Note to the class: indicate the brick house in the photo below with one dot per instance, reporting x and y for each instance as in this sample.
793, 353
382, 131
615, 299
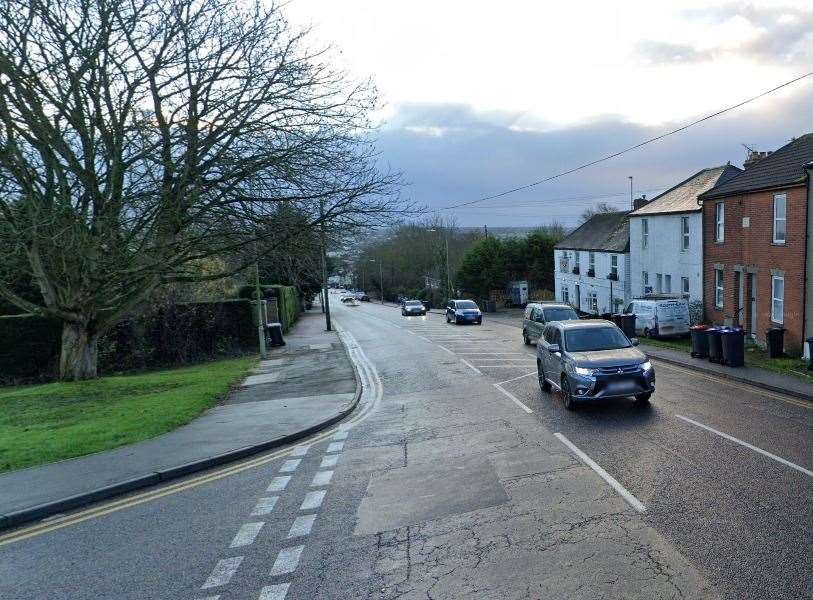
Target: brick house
754, 241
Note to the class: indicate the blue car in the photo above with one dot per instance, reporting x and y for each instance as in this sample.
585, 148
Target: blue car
463, 311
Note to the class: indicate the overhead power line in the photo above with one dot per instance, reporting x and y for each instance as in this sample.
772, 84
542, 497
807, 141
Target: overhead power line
629, 149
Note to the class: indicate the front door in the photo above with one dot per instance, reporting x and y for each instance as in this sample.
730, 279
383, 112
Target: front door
753, 305
578, 298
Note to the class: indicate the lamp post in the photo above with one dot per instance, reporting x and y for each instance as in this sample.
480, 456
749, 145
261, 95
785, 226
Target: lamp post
380, 276
258, 294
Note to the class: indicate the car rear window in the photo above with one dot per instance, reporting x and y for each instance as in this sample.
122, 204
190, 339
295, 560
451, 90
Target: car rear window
466, 304
560, 314
591, 339
413, 303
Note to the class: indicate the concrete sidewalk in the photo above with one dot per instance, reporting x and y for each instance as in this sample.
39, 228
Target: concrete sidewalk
304, 386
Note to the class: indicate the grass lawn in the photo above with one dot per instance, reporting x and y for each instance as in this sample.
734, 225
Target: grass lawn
754, 357
54, 421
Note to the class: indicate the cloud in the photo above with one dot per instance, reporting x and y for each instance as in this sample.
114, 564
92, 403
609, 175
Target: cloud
773, 35
450, 153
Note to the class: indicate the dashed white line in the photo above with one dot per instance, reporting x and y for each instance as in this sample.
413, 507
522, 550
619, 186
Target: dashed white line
322, 478
289, 466
274, 592
470, 366
278, 483
302, 526
340, 435
246, 534
209, 597
517, 378
300, 451
223, 571
264, 506
425, 338
313, 500
731, 438
513, 398
446, 349
631, 500
514, 366
287, 560
329, 461
335, 447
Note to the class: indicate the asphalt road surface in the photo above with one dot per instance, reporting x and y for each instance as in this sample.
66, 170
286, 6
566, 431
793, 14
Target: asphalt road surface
458, 478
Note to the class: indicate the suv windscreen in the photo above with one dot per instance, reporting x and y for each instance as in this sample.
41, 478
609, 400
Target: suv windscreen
466, 304
560, 314
595, 338
413, 303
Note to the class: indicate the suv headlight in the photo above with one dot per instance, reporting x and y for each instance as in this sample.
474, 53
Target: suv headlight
646, 366
583, 371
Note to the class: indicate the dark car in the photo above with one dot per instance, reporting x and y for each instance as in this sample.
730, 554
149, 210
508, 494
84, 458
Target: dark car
463, 311
590, 360
539, 314
412, 308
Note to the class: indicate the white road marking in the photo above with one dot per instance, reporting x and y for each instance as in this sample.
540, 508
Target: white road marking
340, 435
470, 366
516, 366
209, 597
289, 466
300, 451
274, 592
516, 378
322, 478
329, 461
631, 500
425, 338
287, 560
264, 506
278, 483
313, 500
513, 398
492, 353
335, 447
223, 571
515, 360
731, 438
446, 349
302, 526
412, 332
246, 534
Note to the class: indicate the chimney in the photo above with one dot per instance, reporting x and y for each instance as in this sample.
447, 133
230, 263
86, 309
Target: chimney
640, 202
754, 156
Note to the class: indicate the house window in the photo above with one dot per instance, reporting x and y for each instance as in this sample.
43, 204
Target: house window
576, 256
718, 288
614, 265
592, 302
658, 282
719, 222
644, 281
684, 233
565, 295
591, 261
684, 285
644, 233
779, 220
564, 262
667, 284
777, 299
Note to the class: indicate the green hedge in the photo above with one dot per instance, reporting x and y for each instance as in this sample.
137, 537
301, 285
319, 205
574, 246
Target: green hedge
287, 301
168, 335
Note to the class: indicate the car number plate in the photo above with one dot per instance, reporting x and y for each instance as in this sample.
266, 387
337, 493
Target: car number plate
620, 386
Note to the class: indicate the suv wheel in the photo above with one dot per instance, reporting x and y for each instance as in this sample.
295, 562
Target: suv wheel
447, 318
567, 397
643, 399
525, 338
540, 372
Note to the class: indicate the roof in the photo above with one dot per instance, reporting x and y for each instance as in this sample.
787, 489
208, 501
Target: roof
683, 197
607, 232
783, 168
585, 323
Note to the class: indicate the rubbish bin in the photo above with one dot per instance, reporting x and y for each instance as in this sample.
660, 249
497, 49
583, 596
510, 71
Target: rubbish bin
715, 344
700, 341
810, 352
490, 306
275, 334
776, 342
626, 322
426, 304
733, 343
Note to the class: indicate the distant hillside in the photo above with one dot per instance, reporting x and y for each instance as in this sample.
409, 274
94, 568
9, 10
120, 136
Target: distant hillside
506, 232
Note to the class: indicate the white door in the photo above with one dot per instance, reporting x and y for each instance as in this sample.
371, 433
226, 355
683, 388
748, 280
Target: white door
753, 304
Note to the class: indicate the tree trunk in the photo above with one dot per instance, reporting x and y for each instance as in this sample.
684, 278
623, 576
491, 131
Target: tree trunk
80, 352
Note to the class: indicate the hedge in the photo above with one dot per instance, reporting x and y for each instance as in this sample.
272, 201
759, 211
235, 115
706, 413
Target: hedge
168, 335
287, 301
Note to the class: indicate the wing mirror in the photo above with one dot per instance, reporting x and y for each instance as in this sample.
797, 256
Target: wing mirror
554, 348
540, 319
634, 341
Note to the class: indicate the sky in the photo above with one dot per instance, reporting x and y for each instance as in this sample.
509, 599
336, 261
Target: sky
479, 97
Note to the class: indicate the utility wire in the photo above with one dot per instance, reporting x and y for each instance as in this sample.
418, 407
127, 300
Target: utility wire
625, 150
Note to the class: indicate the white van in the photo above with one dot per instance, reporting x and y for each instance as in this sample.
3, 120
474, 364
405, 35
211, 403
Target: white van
660, 316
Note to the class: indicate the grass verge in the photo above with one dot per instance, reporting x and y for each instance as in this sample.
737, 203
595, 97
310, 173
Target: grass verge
45, 423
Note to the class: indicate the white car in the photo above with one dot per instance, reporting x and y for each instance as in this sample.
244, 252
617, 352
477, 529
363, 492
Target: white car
660, 316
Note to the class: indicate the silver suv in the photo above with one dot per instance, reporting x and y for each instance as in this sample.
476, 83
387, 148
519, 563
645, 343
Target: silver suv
589, 360
539, 314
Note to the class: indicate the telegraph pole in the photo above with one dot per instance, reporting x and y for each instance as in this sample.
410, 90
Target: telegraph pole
632, 202
326, 303
260, 320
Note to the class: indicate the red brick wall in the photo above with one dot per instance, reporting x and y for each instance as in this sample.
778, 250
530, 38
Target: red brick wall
753, 247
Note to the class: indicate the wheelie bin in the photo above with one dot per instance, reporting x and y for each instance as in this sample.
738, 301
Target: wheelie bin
626, 321
715, 344
700, 341
274, 331
775, 336
733, 345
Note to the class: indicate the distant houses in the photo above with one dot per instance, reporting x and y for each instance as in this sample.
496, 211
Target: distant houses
738, 243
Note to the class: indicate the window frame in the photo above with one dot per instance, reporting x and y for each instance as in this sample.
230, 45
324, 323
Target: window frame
565, 294
719, 222
685, 286
644, 281
591, 261
719, 288
775, 299
685, 241
667, 283
614, 265
644, 233
784, 219
659, 283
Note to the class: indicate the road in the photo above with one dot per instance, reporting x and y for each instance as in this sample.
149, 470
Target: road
457, 477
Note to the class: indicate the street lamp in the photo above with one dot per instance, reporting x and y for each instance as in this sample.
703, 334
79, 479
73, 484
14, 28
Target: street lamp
380, 276
448, 276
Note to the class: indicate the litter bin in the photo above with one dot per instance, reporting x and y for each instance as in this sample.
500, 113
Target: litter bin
700, 341
490, 306
776, 342
274, 331
733, 343
426, 304
626, 322
810, 352
715, 344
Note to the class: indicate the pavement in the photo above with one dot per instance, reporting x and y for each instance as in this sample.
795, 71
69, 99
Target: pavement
457, 477
306, 385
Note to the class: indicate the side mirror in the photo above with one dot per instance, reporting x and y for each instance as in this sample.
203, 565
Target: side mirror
554, 348
540, 319
634, 341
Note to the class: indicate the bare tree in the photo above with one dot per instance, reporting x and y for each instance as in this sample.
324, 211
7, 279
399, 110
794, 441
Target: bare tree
597, 209
141, 137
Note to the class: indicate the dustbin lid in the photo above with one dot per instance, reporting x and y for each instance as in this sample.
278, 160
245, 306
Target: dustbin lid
770, 329
699, 327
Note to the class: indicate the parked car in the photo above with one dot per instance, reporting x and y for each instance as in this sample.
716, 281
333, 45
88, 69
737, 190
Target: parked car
590, 360
412, 308
463, 311
660, 316
362, 296
538, 314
